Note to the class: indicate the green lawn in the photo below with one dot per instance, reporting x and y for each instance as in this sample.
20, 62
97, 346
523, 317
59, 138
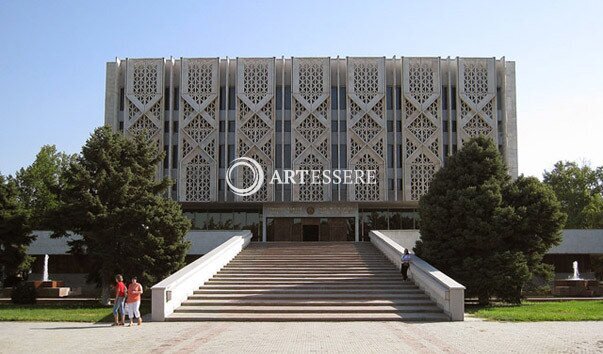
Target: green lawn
542, 311
61, 312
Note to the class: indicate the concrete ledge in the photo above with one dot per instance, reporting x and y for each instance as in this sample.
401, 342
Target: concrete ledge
169, 293
447, 293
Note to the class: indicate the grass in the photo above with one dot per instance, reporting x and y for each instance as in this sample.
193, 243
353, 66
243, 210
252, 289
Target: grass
61, 312
542, 311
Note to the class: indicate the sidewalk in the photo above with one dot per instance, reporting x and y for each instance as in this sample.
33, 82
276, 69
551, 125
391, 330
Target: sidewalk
471, 336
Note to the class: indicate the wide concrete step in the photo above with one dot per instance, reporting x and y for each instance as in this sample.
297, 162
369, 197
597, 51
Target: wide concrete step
308, 309
253, 286
308, 271
309, 291
308, 317
307, 302
298, 282
315, 295
304, 276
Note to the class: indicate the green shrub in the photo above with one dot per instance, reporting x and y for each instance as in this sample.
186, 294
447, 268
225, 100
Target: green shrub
24, 293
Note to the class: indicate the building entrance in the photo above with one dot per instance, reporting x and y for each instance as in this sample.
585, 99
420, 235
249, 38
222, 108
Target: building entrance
309, 229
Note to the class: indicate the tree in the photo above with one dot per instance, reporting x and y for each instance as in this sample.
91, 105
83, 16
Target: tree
15, 233
483, 229
39, 183
111, 197
579, 189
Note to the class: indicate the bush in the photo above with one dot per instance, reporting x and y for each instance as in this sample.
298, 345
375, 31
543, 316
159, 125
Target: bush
24, 294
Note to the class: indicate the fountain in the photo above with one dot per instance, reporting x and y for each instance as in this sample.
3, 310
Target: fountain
574, 285
47, 287
45, 274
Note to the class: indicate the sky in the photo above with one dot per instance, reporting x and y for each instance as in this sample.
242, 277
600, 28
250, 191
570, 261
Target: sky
52, 66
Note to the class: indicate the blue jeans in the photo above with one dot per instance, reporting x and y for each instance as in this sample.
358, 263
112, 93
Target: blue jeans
118, 306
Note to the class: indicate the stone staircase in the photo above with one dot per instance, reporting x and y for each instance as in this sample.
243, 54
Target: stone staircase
308, 282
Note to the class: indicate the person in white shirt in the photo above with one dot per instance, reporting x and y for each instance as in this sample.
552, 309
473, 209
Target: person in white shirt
405, 265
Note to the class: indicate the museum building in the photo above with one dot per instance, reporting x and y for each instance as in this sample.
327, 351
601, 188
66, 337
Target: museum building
401, 117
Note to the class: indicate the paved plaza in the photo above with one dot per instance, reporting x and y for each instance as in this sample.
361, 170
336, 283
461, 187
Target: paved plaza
471, 336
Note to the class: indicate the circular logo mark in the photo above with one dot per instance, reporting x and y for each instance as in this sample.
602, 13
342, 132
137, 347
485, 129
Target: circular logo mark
257, 174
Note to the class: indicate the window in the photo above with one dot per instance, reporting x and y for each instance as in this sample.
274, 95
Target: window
175, 156
454, 126
390, 156
389, 97
333, 125
278, 126
343, 161
453, 98
390, 126
288, 97
231, 126
342, 102
221, 156
121, 126
175, 126
279, 97
176, 99
499, 98
231, 153
445, 123
166, 99
444, 97
166, 164
279, 156
166, 127
334, 155
222, 98
231, 98
399, 97
287, 126
398, 126
222, 126
334, 97
342, 126
391, 184
400, 154
122, 99
287, 156
221, 185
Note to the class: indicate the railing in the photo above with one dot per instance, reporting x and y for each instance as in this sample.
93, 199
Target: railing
169, 293
448, 294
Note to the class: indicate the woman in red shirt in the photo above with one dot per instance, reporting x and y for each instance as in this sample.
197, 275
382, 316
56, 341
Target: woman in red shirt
133, 300
120, 296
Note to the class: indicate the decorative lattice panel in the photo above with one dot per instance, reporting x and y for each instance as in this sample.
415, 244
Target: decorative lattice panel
366, 121
476, 101
144, 99
421, 124
311, 128
255, 120
198, 130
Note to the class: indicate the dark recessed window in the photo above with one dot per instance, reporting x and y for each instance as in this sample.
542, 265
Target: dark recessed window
222, 126
342, 126
333, 125
222, 98
121, 126
334, 97
390, 126
444, 98
221, 156
231, 126
342, 102
176, 99
166, 163
166, 99
166, 127
287, 126
175, 126
231, 99
122, 99
175, 156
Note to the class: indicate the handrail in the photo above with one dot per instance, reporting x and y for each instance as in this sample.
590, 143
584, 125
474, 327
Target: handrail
169, 293
448, 294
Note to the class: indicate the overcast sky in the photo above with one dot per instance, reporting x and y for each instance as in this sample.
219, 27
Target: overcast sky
52, 67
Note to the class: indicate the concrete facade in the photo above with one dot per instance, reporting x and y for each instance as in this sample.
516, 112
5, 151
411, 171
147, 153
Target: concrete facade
399, 116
